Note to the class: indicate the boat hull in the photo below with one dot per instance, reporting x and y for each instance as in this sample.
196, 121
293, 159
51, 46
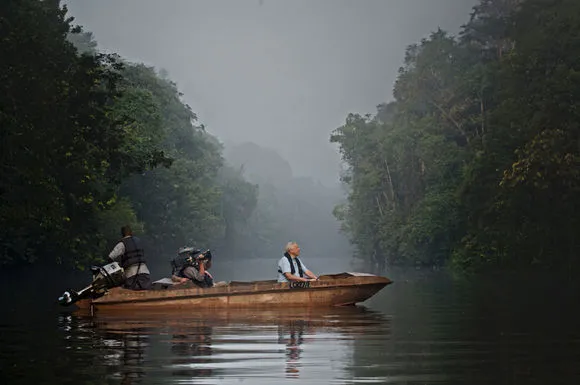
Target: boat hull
330, 290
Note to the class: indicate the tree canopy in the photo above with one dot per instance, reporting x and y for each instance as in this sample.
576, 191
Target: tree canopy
474, 162
91, 142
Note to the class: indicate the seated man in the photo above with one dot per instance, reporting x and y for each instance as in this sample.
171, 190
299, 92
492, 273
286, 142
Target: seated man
131, 257
290, 268
192, 265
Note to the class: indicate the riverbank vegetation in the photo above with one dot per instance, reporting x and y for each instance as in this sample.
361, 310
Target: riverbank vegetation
90, 142
475, 162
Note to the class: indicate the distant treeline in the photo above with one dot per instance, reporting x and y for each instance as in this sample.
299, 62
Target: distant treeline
90, 142
476, 162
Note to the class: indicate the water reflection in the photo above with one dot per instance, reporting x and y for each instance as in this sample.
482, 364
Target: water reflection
492, 330
130, 366
225, 345
192, 345
121, 352
292, 336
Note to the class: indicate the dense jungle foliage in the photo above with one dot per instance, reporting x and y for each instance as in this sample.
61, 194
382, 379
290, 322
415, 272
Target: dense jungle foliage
475, 162
90, 142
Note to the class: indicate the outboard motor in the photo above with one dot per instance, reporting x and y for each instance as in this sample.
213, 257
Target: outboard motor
104, 277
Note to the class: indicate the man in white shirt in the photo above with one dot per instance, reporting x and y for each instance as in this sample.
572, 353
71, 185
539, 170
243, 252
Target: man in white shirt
290, 268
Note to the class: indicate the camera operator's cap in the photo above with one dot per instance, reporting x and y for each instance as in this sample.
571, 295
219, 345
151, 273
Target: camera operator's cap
187, 250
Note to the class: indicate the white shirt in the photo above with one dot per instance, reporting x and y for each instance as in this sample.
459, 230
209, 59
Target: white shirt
284, 267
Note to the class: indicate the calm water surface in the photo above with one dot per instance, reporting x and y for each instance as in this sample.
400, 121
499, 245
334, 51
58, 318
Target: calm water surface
426, 328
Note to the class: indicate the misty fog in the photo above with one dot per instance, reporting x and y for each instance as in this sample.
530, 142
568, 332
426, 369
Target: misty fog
427, 147
271, 80
281, 74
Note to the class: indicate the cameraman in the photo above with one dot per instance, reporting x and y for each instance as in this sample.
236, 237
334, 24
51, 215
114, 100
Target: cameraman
197, 271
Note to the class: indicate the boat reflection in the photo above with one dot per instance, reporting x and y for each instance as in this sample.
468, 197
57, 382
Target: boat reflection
132, 357
116, 355
228, 342
192, 345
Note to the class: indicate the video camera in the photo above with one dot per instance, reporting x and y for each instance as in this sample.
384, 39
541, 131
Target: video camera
190, 256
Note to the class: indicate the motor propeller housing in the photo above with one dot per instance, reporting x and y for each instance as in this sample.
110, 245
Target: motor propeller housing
104, 278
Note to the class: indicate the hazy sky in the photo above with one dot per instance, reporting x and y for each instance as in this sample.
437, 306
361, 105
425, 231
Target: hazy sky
280, 73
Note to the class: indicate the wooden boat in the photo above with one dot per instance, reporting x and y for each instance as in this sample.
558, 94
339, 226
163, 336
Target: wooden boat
329, 290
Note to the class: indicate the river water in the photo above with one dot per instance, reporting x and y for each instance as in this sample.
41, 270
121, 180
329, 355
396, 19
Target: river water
425, 328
